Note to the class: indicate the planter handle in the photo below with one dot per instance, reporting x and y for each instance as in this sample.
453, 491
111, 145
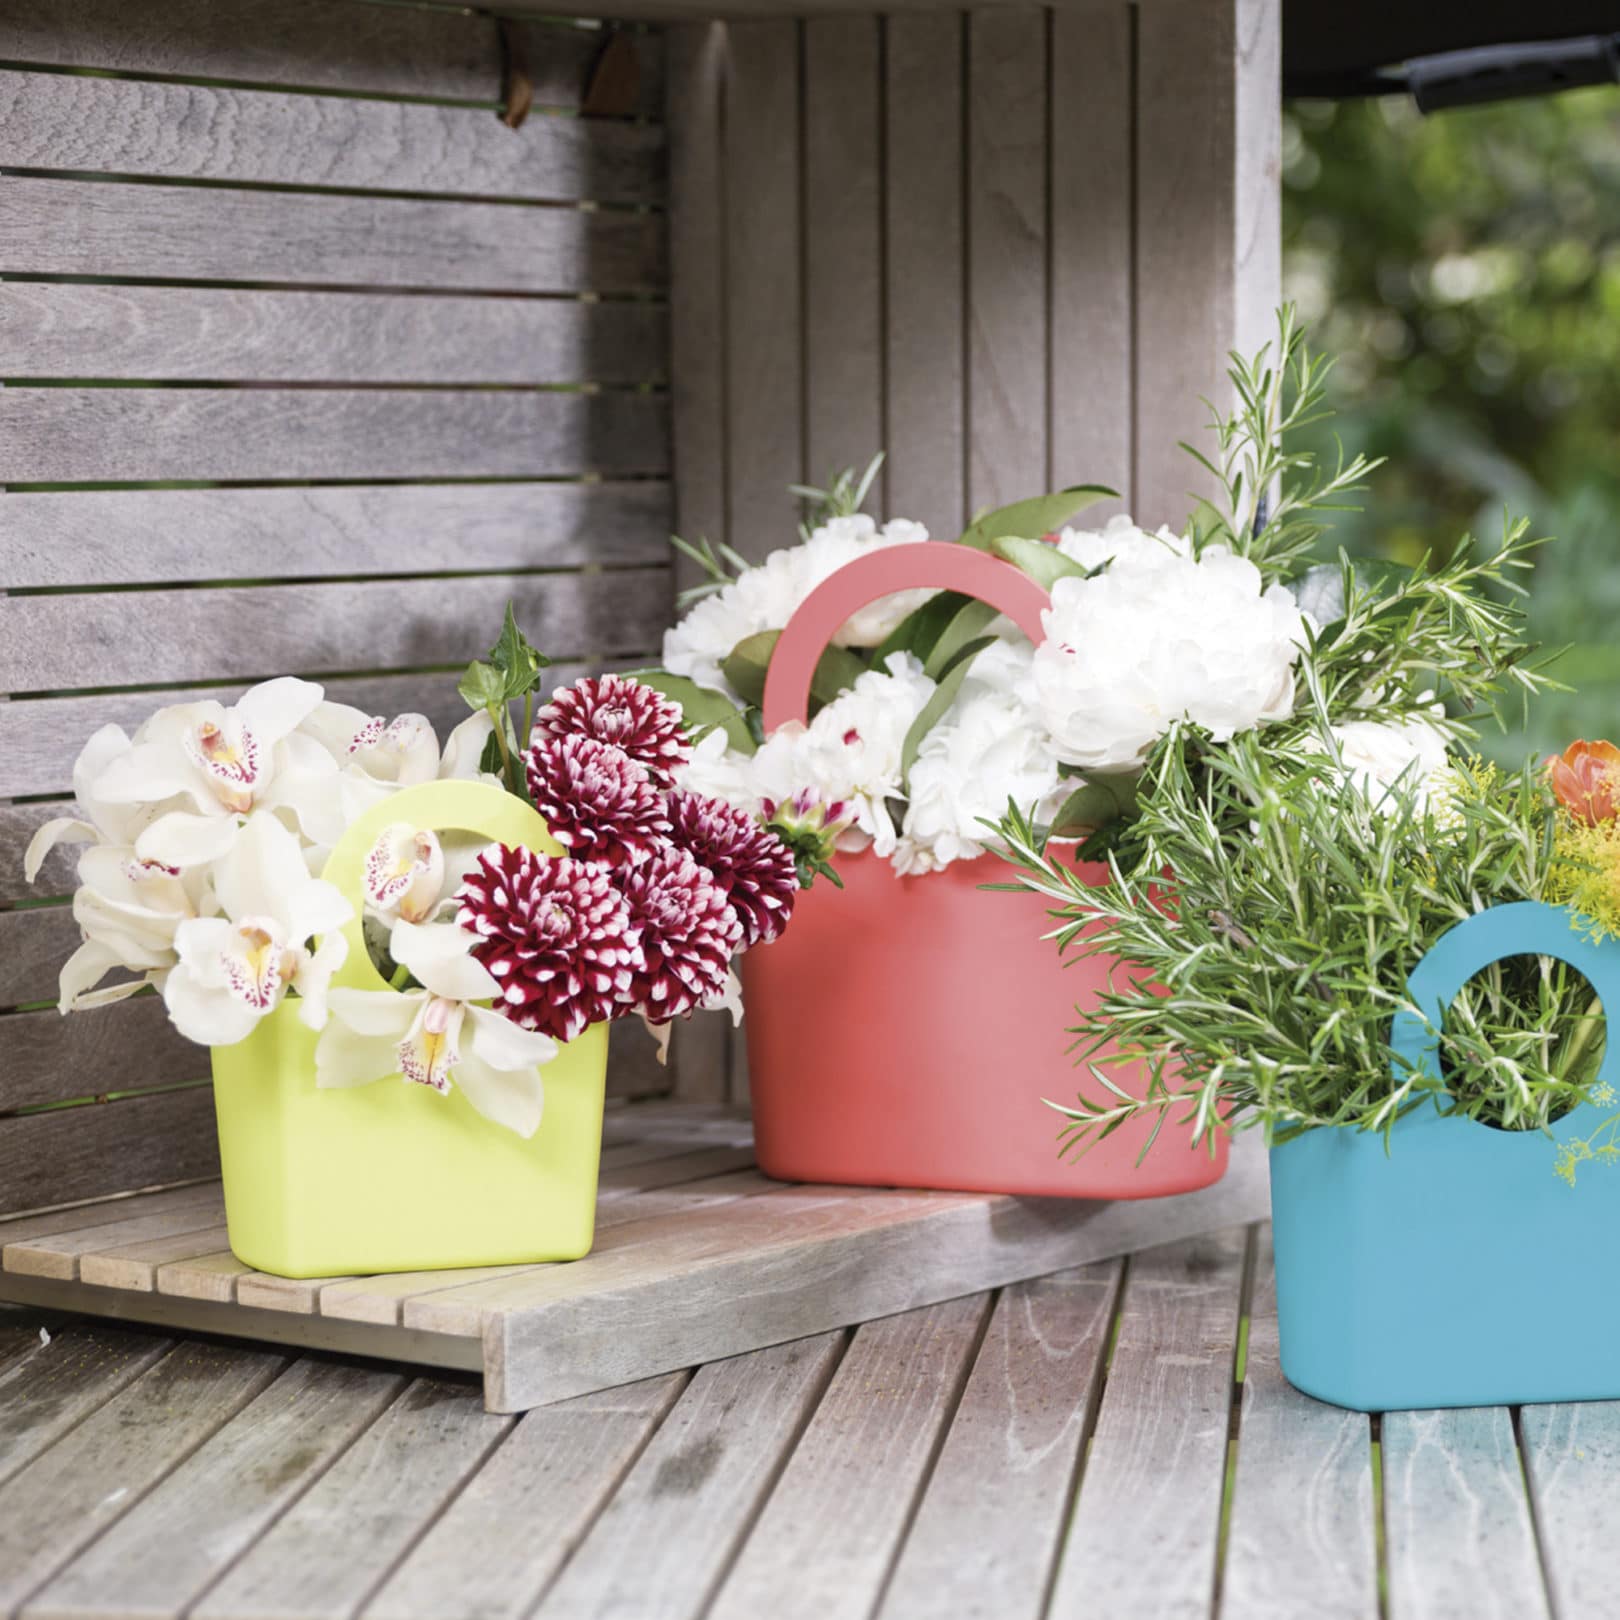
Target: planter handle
461, 806
1523, 928
927, 564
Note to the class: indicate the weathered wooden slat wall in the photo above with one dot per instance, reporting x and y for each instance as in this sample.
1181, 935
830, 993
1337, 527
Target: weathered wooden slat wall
1010, 246
287, 246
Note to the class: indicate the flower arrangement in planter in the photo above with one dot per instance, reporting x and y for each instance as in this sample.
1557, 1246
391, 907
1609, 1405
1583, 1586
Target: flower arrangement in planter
326, 899
1353, 932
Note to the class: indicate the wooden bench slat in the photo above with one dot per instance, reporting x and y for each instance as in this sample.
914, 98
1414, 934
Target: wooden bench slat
210, 1277
207, 233
128, 1046
101, 1212
1457, 1521
1302, 1538
217, 1502
1572, 1458
557, 1470
204, 132
1158, 1453
223, 334
135, 1265
53, 643
187, 1211
988, 1530
322, 1558
110, 435
668, 1532
380, 50
832, 1527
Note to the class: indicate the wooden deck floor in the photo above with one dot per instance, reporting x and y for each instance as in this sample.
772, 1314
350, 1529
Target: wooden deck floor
1114, 1442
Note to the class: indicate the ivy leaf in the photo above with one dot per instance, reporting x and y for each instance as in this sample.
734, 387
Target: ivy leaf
970, 622
933, 711
1103, 800
516, 659
746, 664
483, 686
702, 708
1044, 564
1033, 518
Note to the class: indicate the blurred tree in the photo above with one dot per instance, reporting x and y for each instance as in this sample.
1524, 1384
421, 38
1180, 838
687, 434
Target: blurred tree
1465, 269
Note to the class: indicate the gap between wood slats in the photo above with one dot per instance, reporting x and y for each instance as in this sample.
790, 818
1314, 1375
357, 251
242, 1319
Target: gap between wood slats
214, 334
67, 122
417, 52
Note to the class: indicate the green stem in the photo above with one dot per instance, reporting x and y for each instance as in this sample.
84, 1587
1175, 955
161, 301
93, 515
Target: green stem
401, 978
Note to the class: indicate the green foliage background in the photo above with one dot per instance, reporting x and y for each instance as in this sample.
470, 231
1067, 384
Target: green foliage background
1465, 270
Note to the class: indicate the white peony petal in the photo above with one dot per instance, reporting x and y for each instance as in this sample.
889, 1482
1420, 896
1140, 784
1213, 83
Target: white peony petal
513, 1098
63, 830
274, 708
182, 840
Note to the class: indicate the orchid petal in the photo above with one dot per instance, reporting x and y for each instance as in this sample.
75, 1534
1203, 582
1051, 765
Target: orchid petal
316, 907
503, 1045
181, 840
344, 1056
464, 748
313, 977
377, 1014
148, 774
335, 726
512, 1098
264, 866
404, 871
85, 968
208, 1016
110, 993
438, 955
272, 709
106, 744
63, 830
431, 1047
200, 944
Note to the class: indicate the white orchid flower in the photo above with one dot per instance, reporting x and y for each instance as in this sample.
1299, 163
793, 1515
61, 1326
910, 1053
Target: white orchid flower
438, 1034
378, 757
234, 969
225, 763
404, 872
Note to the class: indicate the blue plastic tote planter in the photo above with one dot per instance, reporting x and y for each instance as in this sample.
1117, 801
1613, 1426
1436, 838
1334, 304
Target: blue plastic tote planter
1455, 1269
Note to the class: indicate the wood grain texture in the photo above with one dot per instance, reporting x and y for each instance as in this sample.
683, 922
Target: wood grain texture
662, 1542
827, 1538
1572, 1458
316, 44
843, 245
987, 1532
33, 944
764, 288
187, 1210
1007, 257
97, 1212
558, 1469
1147, 1520
323, 1558
72, 1153
209, 334
109, 435
218, 1501
18, 824
148, 536
135, 1264
1302, 1537
924, 301
211, 1277
94, 1474
205, 132
1457, 1520
58, 1385
199, 233
1092, 110
57, 642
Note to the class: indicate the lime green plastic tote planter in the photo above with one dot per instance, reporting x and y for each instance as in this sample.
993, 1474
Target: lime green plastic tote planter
392, 1176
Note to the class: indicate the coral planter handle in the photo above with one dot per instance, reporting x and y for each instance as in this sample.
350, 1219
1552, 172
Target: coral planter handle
1524, 928
930, 564
476, 807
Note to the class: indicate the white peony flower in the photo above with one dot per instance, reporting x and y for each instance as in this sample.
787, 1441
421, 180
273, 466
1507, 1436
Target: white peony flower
234, 969
438, 1034
1091, 548
1161, 637
1378, 754
718, 771
765, 598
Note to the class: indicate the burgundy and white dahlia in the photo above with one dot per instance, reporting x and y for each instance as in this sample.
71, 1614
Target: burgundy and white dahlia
754, 867
556, 935
688, 935
623, 713
599, 804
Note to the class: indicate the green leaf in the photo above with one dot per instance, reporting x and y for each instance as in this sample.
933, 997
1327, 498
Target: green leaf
1320, 590
1044, 563
933, 711
483, 686
965, 628
1102, 800
746, 664
1208, 523
921, 628
491, 760
1032, 518
516, 659
702, 708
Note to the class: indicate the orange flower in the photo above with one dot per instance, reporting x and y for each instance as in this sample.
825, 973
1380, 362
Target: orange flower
1586, 780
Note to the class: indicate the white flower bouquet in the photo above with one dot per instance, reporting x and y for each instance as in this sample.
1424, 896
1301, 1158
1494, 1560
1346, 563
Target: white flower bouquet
328, 899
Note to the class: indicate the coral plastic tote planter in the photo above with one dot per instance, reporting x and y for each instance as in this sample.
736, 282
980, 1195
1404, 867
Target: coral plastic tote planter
393, 1176
905, 1030
1456, 1269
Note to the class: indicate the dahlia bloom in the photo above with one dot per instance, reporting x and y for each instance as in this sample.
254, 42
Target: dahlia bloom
599, 804
626, 715
750, 863
688, 935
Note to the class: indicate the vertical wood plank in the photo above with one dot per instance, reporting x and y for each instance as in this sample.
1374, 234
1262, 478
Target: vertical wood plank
1147, 1521
843, 245
1457, 1518
1207, 210
987, 1534
1007, 256
824, 1545
1302, 1537
1572, 1457
924, 377
1093, 107
764, 287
